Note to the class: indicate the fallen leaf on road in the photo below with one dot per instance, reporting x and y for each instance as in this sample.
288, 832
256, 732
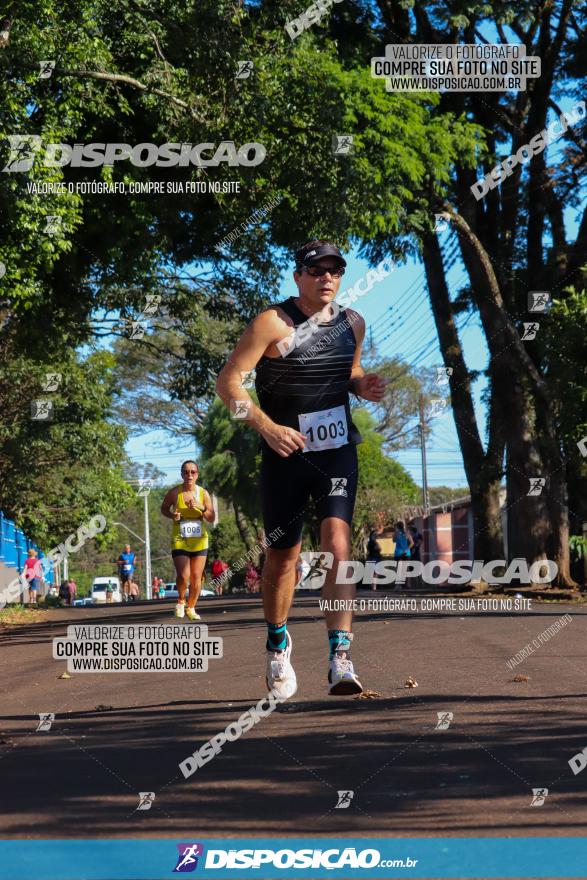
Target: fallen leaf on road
64, 675
102, 708
410, 682
368, 695
520, 677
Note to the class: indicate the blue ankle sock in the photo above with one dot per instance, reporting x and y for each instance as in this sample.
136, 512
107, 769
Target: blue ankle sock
339, 640
276, 633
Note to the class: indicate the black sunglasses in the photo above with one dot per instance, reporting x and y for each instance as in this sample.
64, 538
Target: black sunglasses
319, 271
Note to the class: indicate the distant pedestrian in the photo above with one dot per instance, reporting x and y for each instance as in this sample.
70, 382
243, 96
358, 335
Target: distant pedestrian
374, 549
64, 592
126, 568
416, 542
403, 545
218, 569
134, 591
403, 542
72, 589
252, 578
109, 591
155, 587
218, 566
33, 572
161, 590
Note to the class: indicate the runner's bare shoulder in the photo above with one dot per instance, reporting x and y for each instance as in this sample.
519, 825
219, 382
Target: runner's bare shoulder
274, 317
273, 325
171, 496
357, 322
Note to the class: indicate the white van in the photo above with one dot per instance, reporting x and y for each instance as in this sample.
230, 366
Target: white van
98, 592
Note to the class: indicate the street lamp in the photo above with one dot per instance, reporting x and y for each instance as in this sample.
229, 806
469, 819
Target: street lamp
124, 526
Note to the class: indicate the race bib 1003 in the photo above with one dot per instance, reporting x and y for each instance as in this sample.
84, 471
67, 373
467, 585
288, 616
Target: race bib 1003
324, 429
190, 528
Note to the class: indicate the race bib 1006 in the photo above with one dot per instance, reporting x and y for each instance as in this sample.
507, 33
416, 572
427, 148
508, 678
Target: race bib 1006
324, 429
190, 528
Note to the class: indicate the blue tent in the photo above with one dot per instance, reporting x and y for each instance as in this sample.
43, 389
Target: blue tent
14, 546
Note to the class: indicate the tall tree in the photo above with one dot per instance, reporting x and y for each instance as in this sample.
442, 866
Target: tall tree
62, 455
504, 242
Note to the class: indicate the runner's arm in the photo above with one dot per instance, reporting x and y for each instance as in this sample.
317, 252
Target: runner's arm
262, 332
369, 386
208, 512
169, 500
357, 372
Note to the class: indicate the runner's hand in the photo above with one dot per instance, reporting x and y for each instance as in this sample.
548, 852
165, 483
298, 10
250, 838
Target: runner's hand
176, 515
370, 387
284, 440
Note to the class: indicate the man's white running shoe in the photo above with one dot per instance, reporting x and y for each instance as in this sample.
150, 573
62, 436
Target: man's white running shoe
280, 675
180, 609
341, 676
192, 614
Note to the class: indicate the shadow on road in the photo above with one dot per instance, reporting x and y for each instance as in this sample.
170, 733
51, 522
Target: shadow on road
82, 778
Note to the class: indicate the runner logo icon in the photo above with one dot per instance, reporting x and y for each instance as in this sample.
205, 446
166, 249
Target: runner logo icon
444, 719
23, 149
338, 486
187, 860
146, 799
538, 797
319, 564
46, 719
344, 800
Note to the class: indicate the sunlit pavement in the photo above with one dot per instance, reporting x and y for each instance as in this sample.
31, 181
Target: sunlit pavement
115, 735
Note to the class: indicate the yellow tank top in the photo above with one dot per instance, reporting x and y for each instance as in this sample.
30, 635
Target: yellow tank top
190, 532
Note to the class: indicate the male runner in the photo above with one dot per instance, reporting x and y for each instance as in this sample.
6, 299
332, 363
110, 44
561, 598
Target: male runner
307, 355
126, 568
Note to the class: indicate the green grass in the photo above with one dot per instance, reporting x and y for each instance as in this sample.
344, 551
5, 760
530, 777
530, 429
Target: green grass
17, 615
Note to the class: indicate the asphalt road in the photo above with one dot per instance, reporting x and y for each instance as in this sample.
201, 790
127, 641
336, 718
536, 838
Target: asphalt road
116, 735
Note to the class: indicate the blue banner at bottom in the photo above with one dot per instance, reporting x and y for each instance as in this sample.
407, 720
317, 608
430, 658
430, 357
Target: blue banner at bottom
268, 859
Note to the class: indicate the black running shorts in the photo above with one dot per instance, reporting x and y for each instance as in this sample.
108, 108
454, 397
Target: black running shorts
330, 478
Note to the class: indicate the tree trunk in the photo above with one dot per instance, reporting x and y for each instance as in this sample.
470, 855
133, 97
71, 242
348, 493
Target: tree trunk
537, 524
485, 504
243, 527
528, 525
483, 470
491, 248
558, 548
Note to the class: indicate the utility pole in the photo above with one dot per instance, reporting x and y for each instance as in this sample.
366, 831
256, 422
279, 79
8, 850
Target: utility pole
147, 548
423, 451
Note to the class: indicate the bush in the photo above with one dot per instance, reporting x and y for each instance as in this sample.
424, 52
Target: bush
51, 602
